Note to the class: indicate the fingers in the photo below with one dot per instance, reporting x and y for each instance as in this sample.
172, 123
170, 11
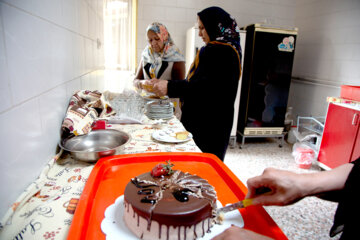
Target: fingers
157, 86
160, 87
263, 189
267, 200
237, 233
232, 232
256, 183
285, 187
147, 83
152, 81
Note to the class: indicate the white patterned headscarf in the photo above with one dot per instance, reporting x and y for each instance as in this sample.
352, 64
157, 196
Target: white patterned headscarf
170, 53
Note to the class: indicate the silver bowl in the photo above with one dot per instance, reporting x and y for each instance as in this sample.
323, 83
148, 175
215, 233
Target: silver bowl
96, 144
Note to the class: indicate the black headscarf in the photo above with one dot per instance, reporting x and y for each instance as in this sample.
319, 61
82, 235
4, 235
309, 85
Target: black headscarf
221, 27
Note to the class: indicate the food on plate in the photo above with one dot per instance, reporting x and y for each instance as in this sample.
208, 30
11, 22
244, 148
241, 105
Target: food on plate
182, 135
149, 95
148, 88
169, 204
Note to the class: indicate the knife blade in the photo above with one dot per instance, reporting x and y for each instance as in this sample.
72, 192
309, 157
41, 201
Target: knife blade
237, 205
244, 203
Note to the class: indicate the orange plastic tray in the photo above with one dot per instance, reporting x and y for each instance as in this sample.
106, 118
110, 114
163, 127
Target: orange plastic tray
110, 175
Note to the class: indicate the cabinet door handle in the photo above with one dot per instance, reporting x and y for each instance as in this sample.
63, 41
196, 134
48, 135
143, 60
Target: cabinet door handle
355, 119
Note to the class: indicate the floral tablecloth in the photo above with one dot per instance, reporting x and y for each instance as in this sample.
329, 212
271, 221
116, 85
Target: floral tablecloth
46, 208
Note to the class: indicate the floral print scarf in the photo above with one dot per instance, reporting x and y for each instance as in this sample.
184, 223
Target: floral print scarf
222, 29
170, 53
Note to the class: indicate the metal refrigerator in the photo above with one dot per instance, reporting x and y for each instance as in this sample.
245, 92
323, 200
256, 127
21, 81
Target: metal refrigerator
266, 81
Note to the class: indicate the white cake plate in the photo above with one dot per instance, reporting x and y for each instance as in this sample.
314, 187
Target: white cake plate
114, 227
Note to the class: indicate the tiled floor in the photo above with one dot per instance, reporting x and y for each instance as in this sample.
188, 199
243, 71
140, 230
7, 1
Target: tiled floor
310, 218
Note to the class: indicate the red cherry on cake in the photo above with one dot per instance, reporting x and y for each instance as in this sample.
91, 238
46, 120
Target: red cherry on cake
162, 169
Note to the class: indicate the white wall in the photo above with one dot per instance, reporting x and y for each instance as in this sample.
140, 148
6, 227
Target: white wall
48, 50
327, 54
179, 15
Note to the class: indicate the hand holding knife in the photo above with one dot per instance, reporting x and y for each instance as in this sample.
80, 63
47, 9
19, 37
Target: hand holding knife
243, 203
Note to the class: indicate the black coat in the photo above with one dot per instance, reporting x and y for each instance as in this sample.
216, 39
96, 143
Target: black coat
347, 214
208, 98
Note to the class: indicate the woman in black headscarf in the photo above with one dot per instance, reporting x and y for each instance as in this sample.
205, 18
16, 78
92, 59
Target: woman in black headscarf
209, 91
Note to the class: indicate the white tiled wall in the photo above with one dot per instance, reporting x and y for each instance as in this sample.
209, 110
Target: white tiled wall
48, 50
329, 36
5, 95
327, 53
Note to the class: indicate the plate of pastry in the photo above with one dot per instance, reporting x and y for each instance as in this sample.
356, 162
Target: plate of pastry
151, 96
172, 135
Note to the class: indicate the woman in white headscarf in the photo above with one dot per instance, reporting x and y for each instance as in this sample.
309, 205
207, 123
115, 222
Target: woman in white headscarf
161, 58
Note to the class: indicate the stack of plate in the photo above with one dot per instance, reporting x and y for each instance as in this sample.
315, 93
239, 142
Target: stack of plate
162, 109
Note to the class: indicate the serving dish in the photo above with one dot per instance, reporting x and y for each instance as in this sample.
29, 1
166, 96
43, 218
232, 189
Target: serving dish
115, 227
96, 144
152, 96
168, 135
110, 175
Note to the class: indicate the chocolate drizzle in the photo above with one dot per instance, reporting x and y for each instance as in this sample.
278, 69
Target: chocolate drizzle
168, 233
160, 225
195, 231
138, 183
209, 226
148, 199
146, 191
203, 228
184, 233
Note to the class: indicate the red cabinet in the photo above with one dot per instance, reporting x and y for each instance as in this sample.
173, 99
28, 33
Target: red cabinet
356, 151
341, 138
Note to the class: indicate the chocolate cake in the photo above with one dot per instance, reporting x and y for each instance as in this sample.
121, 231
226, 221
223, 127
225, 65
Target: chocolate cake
174, 205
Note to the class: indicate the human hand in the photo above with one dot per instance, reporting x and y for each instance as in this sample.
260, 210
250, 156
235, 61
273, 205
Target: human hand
286, 187
142, 84
159, 86
237, 233
147, 85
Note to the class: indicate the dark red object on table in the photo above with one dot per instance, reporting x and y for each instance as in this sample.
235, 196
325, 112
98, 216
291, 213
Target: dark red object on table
99, 124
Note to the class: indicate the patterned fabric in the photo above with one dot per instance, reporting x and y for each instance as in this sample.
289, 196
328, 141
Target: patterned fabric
84, 108
170, 53
45, 210
222, 29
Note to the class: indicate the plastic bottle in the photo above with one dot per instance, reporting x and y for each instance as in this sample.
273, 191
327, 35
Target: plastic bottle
288, 122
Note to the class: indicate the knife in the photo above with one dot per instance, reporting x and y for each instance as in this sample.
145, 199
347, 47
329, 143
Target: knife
244, 203
231, 207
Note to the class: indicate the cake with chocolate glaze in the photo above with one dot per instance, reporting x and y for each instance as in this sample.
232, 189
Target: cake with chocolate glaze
169, 204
